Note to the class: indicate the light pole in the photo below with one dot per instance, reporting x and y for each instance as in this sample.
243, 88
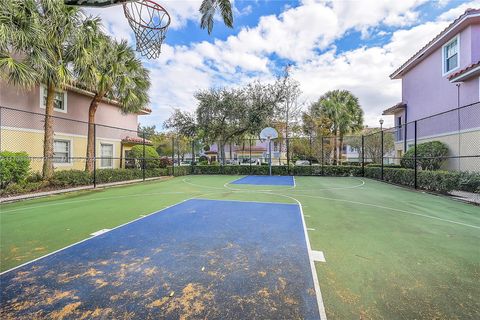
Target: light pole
381, 123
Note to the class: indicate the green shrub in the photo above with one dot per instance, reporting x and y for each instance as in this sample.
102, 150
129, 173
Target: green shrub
34, 177
23, 187
14, 167
70, 178
117, 175
165, 162
180, 171
203, 162
430, 156
152, 159
203, 159
469, 181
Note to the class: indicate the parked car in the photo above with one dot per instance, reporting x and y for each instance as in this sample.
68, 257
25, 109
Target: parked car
302, 163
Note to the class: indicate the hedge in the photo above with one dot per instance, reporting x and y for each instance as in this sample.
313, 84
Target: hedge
438, 181
179, 171
14, 167
344, 171
75, 178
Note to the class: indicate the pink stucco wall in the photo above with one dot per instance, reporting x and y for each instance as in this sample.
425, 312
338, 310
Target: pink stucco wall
77, 109
426, 91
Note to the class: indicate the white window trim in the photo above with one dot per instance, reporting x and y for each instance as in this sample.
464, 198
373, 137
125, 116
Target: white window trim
65, 95
444, 72
113, 154
70, 155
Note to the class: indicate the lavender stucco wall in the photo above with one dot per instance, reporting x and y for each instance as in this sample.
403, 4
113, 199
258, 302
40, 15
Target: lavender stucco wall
427, 91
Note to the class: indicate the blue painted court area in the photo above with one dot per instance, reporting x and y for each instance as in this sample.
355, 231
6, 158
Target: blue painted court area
266, 180
200, 259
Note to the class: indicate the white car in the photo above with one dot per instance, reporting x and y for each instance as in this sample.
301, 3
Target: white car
302, 163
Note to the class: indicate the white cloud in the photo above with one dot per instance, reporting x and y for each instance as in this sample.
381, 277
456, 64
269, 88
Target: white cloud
298, 34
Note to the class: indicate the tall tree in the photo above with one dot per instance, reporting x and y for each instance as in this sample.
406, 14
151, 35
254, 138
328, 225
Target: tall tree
208, 8
46, 53
110, 70
344, 115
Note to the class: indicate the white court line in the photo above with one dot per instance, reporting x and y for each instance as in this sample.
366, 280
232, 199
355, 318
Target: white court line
338, 188
90, 238
388, 208
318, 256
310, 229
316, 284
95, 199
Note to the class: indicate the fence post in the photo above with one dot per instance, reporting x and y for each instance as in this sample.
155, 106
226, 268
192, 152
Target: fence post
323, 156
94, 155
382, 151
250, 161
310, 150
363, 155
173, 156
144, 161
415, 153
193, 155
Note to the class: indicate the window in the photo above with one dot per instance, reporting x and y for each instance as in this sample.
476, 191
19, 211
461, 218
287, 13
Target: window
106, 151
59, 102
61, 151
451, 55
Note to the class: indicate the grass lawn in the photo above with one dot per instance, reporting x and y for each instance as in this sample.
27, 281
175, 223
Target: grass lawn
391, 253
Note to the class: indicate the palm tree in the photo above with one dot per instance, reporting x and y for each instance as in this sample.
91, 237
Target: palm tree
112, 72
208, 9
343, 110
41, 52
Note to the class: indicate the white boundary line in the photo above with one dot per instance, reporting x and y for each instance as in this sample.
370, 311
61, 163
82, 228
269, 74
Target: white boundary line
316, 284
104, 198
388, 208
339, 188
92, 237
294, 182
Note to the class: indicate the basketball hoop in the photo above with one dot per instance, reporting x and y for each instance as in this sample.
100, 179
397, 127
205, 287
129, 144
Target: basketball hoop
149, 21
268, 134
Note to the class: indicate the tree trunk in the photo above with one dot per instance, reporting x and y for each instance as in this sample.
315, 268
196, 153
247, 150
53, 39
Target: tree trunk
335, 151
89, 165
341, 150
48, 134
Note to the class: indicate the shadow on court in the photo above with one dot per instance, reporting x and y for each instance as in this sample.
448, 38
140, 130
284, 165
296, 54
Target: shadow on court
200, 259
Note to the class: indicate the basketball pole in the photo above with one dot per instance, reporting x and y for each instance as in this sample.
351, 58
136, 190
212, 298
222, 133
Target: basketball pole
269, 156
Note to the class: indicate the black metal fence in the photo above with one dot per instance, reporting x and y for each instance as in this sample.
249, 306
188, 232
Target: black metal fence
437, 153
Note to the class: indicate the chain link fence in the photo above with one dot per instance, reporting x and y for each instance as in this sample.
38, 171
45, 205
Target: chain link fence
440, 153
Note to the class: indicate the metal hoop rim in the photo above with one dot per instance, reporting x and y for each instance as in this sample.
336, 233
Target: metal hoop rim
150, 4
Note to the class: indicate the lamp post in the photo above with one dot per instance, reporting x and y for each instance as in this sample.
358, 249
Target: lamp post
381, 123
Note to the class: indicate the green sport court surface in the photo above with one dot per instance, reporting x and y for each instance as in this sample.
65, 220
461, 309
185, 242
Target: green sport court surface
391, 253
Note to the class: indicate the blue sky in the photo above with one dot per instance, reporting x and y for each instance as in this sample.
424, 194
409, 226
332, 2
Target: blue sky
352, 45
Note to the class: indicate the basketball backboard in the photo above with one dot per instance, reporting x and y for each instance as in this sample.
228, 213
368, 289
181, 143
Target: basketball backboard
94, 3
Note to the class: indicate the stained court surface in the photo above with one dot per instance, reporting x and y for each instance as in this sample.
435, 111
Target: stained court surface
197, 259
266, 180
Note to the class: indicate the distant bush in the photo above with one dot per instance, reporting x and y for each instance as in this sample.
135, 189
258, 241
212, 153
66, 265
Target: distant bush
180, 171
14, 167
430, 156
203, 159
165, 162
152, 159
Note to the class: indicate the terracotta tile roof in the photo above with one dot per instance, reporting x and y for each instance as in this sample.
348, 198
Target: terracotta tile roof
446, 30
392, 110
464, 70
136, 140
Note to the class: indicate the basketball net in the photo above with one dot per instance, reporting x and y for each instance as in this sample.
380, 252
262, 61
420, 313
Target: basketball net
149, 21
